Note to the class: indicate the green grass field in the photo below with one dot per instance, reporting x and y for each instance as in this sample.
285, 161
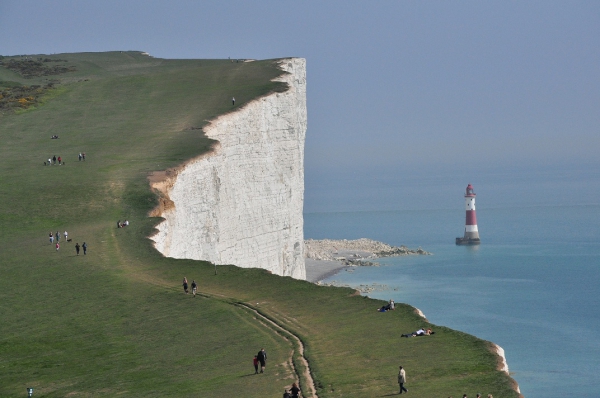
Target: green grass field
116, 321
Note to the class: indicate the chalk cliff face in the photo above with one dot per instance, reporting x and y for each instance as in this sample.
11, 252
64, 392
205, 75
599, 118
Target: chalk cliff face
242, 203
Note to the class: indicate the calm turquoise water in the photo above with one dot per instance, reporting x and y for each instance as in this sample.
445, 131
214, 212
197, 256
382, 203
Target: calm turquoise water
532, 286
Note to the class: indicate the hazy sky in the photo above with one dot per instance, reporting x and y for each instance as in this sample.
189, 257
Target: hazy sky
393, 86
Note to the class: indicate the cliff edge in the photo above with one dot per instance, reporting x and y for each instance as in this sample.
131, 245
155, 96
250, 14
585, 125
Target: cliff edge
242, 202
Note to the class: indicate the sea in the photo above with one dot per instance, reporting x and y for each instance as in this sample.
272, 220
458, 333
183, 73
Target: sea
532, 286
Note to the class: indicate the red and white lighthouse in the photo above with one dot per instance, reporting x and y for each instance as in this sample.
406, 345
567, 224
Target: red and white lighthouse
471, 233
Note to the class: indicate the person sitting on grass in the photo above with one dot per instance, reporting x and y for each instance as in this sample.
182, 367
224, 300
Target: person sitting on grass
388, 307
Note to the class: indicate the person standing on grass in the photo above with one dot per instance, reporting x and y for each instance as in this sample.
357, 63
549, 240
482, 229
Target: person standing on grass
51, 238
194, 288
262, 358
66, 236
185, 285
402, 380
54, 159
59, 159
80, 156
57, 236
233, 101
84, 247
77, 248
83, 155
255, 362
57, 246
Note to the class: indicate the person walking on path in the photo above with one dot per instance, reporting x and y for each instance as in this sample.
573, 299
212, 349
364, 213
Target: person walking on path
262, 358
233, 101
185, 285
57, 246
255, 362
84, 247
194, 288
51, 238
77, 248
295, 391
402, 380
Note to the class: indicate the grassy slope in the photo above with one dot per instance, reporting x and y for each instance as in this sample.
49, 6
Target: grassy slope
116, 321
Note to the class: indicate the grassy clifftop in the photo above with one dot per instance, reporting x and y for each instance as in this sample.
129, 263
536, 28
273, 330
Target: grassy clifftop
116, 321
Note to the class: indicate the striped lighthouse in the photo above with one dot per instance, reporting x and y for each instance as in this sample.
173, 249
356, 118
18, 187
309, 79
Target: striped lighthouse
471, 233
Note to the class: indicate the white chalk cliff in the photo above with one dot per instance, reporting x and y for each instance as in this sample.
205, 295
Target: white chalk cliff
242, 202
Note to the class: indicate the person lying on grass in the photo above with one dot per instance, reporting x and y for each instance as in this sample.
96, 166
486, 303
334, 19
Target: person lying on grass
420, 332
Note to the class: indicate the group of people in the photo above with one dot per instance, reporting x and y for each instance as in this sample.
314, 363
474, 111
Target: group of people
56, 236
260, 359
84, 247
58, 160
54, 160
185, 286
478, 396
122, 224
293, 392
388, 307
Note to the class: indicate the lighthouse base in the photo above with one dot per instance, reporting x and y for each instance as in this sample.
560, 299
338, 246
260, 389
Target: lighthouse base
468, 241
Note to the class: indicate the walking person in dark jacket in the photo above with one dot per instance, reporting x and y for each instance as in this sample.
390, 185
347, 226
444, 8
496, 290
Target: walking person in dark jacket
77, 248
84, 247
295, 391
262, 358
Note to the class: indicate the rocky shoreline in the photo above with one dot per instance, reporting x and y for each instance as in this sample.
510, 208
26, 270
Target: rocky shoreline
326, 257
356, 252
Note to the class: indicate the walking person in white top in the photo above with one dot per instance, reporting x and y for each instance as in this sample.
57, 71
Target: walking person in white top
402, 380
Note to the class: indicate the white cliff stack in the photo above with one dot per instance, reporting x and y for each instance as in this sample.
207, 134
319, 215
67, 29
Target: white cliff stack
242, 203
